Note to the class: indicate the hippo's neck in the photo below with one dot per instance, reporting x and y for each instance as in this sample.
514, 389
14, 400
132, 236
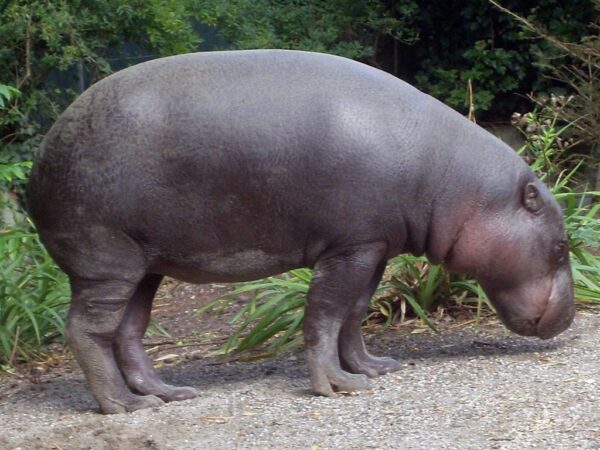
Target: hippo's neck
476, 172
433, 219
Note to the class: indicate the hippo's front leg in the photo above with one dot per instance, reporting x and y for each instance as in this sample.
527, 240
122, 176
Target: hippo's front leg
340, 279
353, 354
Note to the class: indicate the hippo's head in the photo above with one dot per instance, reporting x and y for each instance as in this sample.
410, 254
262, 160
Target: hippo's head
514, 243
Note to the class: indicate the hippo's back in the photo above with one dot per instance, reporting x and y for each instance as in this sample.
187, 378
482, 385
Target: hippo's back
178, 120
201, 152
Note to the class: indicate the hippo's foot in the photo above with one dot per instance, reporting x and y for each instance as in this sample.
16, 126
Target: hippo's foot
153, 386
142, 378
134, 363
328, 382
338, 294
128, 402
371, 366
350, 382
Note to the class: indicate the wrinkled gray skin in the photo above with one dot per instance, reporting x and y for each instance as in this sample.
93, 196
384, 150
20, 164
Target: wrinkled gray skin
232, 166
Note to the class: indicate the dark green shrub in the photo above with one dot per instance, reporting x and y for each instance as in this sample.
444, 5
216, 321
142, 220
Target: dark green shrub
439, 45
34, 296
34, 292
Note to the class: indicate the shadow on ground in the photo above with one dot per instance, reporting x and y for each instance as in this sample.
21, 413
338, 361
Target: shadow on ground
72, 393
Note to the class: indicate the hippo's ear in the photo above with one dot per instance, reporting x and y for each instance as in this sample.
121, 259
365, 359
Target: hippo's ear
531, 198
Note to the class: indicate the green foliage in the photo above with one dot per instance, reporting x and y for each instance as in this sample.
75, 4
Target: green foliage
343, 27
34, 293
433, 43
41, 36
7, 114
42, 42
7, 93
583, 226
16, 171
478, 42
493, 71
577, 68
275, 312
34, 296
414, 281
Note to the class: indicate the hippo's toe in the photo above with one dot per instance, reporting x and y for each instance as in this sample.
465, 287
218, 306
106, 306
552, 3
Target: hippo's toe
129, 403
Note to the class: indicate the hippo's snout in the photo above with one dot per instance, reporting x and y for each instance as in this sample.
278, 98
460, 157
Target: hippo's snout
560, 310
544, 308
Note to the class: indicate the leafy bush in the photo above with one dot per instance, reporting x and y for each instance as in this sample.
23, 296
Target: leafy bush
577, 68
414, 282
435, 44
34, 296
349, 28
275, 312
34, 292
48, 47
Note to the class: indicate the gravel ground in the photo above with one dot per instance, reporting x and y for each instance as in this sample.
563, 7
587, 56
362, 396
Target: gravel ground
462, 390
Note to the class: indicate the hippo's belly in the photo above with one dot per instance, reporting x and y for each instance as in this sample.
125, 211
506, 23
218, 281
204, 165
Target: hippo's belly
241, 265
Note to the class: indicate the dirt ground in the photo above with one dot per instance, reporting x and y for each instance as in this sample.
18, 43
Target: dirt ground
462, 389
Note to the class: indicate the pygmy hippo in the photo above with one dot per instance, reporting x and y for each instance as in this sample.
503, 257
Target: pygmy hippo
233, 166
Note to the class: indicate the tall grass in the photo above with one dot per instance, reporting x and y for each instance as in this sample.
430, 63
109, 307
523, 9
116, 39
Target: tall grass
274, 313
413, 284
34, 292
34, 296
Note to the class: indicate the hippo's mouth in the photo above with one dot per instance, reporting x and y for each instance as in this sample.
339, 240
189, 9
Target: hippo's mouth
560, 308
543, 309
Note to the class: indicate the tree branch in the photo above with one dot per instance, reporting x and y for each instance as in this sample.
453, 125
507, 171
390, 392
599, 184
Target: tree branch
572, 49
27, 75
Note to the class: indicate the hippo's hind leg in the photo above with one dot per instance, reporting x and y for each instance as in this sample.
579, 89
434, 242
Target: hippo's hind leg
105, 267
134, 363
340, 279
353, 355
96, 311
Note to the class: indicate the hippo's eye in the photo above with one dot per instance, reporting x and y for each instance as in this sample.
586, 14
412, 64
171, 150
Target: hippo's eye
561, 250
531, 198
